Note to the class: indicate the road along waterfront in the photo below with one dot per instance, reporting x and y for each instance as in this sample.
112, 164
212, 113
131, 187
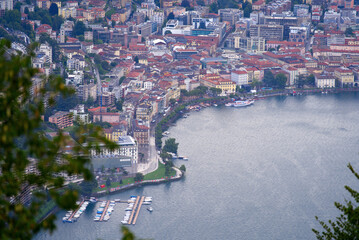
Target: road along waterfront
260, 172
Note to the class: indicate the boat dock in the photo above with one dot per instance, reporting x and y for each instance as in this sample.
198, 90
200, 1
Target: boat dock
133, 211
74, 212
104, 211
137, 210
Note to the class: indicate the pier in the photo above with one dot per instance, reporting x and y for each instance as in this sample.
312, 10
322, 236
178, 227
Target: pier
133, 210
104, 211
138, 210
74, 212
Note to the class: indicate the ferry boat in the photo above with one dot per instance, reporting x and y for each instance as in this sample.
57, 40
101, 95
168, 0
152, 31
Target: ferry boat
240, 103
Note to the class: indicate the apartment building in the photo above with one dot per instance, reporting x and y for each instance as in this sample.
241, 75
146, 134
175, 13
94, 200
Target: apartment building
62, 119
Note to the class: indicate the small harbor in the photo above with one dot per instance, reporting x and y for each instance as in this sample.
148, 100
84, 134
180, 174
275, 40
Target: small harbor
72, 216
134, 207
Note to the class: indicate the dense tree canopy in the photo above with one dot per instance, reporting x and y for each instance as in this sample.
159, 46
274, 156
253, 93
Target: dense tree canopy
53, 10
171, 146
20, 117
79, 29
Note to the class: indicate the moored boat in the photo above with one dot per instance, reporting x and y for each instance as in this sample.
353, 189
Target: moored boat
239, 103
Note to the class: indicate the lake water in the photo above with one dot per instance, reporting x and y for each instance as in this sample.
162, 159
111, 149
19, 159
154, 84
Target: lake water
261, 172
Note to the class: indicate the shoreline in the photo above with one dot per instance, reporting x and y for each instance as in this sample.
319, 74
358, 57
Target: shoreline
198, 101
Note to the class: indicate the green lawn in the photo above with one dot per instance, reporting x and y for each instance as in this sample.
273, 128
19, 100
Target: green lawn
159, 173
116, 184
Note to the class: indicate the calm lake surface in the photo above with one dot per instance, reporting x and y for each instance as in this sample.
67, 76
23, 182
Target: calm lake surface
261, 172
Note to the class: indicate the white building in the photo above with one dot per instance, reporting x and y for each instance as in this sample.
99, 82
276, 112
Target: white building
7, 4
293, 74
127, 147
80, 115
75, 78
240, 77
47, 50
148, 85
174, 28
158, 17
324, 81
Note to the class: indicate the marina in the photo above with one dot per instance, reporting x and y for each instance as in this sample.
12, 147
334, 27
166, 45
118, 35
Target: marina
104, 211
134, 207
72, 216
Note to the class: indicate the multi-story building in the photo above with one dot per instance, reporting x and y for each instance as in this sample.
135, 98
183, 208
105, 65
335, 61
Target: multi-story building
301, 10
43, 4
115, 132
87, 91
146, 29
141, 133
80, 115
227, 86
298, 34
230, 15
106, 99
67, 12
331, 17
344, 76
77, 62
7, 4
256, 44
158, 16
62, 119
268, 32
240, 77
144, 112
110, 117
127, 147
283, 20
293, 74
324, 81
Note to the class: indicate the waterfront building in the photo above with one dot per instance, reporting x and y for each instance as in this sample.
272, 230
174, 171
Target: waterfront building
293, 74
240, 77
215, 81
324, 80
62, 119
345, 76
